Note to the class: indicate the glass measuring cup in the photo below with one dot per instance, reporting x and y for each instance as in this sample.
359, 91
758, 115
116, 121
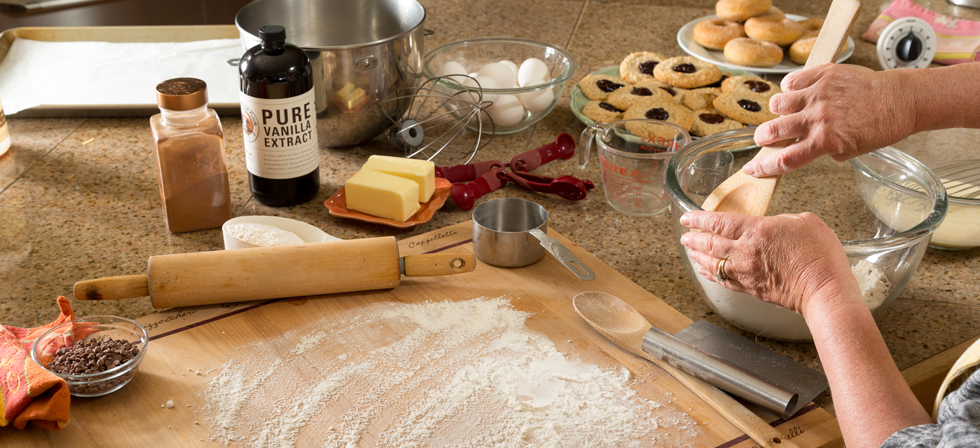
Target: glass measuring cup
633, 155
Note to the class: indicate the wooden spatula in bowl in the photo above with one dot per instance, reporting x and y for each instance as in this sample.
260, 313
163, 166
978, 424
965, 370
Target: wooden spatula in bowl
750, 195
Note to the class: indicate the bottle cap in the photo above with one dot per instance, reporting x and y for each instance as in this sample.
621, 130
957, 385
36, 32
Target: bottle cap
272, 33
182, 94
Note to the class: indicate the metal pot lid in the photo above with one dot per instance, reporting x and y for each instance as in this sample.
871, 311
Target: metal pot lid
333, 24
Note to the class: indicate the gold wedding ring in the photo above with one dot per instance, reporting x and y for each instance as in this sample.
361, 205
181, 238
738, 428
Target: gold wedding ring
721, 271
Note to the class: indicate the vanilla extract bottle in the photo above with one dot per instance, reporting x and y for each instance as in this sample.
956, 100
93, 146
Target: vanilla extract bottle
279, 121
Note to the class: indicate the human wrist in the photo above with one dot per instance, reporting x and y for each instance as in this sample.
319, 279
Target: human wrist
941, 97
831, 297
909, 103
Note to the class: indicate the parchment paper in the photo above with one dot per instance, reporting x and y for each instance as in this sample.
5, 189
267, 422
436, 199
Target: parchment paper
38, 73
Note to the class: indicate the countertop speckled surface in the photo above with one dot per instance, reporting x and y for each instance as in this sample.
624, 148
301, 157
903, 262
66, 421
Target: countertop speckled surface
79, 197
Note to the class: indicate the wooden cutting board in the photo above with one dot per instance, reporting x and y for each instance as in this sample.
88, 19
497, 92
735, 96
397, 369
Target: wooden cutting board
187, 340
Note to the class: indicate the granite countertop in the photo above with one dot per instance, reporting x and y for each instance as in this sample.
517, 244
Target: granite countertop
79, 196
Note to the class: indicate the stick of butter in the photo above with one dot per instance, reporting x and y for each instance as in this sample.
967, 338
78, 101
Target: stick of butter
382, 195
422, 172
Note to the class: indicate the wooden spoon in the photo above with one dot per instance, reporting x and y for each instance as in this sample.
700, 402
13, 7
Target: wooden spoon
750, 195
625, 326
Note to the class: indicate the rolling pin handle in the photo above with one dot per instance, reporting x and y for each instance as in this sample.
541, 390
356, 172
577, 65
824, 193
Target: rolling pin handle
436, 264
113, 288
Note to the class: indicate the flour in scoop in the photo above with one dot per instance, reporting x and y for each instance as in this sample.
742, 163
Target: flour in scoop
263, 235
466, 373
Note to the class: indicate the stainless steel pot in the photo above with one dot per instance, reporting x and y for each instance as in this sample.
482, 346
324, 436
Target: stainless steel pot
512, 233
363, 52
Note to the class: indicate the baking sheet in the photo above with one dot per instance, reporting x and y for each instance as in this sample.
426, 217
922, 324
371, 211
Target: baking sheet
112, 71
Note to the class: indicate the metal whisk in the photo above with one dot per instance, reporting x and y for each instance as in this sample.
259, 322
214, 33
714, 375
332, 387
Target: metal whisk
443, 124
961, 178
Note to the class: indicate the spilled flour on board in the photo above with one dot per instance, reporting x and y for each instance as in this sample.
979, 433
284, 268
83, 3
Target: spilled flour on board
466, 374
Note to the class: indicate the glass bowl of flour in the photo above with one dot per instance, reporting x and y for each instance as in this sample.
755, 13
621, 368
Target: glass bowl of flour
883, 206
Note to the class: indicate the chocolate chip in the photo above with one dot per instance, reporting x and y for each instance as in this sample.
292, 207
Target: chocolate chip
646, 67
757, 86
607, 86
641, 91
657, 113
669, 90
750, 106
609, 107
711, 118
685, 68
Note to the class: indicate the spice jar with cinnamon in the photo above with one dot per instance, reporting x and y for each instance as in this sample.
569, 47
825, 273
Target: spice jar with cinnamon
190, 154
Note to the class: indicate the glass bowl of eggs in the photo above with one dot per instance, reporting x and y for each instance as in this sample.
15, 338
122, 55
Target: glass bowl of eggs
523, 79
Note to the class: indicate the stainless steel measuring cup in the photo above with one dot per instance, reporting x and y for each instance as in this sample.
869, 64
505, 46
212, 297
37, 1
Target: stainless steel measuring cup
512, 233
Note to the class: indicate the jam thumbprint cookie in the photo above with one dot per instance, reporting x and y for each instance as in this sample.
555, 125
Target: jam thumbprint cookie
657, 110
686, 72
602, 112
598, 87
701, 98
750, 85
638, 67
626, 97
709, 121
748, 109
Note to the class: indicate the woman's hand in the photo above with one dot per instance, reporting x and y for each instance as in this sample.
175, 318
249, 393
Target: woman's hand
840, 110
785, 259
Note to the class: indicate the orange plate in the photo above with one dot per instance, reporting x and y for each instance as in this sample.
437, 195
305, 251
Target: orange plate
337, 205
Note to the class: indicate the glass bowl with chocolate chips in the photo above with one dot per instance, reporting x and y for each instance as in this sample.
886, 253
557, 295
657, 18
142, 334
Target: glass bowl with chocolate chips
95, 355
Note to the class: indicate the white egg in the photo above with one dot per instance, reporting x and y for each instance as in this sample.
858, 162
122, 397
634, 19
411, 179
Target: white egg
513, 67
500, 73
530, 70
506, 111
485, 82
453, 68
538, 100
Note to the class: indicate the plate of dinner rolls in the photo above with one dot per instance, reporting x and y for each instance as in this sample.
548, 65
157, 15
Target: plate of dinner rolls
755, 36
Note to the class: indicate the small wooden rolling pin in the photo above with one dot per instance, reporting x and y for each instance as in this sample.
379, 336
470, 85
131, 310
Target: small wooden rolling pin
224, 276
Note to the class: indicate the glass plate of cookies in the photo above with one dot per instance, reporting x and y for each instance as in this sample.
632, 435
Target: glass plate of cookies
685, 38
636, 95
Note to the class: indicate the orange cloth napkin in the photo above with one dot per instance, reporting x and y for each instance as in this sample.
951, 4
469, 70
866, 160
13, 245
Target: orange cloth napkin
29, 393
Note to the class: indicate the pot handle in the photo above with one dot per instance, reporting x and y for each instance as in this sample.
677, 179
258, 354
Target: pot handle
585, 144
564, 256
427, 32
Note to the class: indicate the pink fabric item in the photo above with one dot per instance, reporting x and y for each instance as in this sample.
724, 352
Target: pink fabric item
957, 40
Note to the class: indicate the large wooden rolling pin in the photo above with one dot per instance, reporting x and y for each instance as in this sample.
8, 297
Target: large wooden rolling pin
224, 276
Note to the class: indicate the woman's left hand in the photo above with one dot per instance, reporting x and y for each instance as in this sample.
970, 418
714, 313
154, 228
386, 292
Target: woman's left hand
785, 259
